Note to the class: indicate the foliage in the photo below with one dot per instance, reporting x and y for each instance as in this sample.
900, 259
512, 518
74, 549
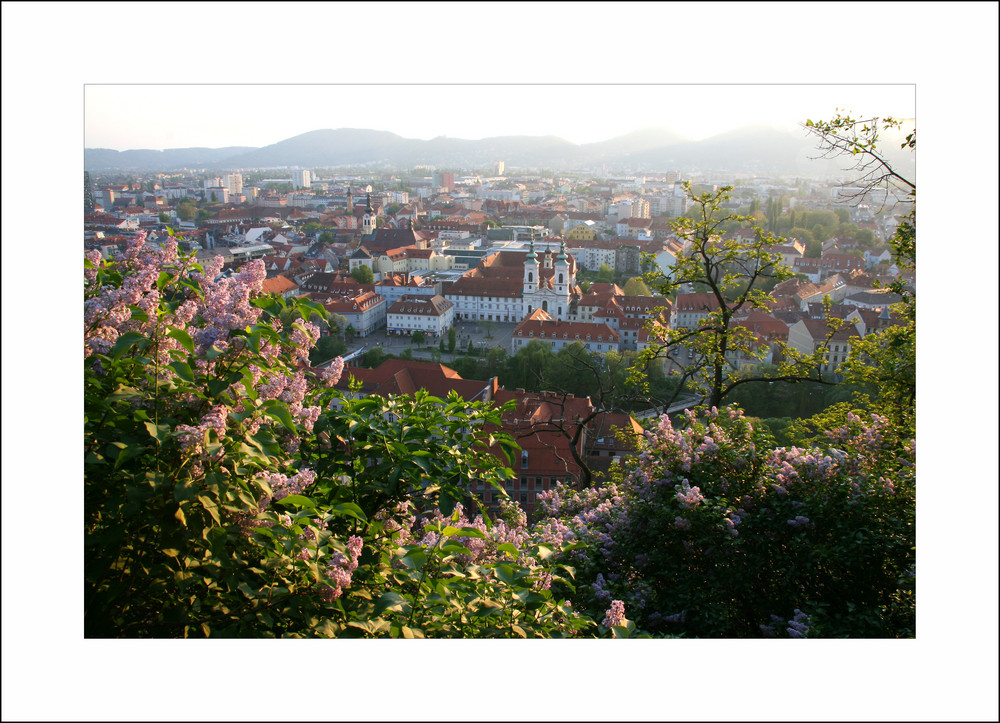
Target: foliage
231, 491
636, 287
363, 274
716, 533
734, 270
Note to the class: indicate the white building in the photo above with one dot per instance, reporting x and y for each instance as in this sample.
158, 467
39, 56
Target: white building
549, 285
432, 315
301, 179
234, 182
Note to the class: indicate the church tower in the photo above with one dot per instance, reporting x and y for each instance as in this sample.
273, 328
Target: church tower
368, 221
528, 301
531, 270
561, 281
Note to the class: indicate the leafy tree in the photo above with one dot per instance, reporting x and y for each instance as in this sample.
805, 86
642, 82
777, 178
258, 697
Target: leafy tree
605, 274
363, 274
636, 287
164, 217
186, 210
883, 361
452, 339
418, 337
732, 270
327, 237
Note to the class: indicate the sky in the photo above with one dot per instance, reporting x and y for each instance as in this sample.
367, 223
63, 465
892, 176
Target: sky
580, 113
54, 52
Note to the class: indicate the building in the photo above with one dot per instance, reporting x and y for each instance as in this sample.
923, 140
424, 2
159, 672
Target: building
301, 179
234, 182
595, 337
549, 285
432, 315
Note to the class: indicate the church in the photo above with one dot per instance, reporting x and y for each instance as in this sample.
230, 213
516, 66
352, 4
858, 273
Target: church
549, 284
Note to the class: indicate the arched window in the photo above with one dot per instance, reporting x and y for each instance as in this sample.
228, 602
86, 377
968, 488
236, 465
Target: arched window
545, 306
560, 278
531, 277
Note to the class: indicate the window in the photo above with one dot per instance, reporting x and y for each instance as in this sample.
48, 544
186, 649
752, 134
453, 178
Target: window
524, 498
524, 459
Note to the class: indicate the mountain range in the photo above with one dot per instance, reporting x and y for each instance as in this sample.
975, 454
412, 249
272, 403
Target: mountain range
751, 149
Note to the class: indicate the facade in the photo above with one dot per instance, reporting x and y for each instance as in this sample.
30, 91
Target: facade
596, 337
549, 285
432, 315
808, 335
364, 310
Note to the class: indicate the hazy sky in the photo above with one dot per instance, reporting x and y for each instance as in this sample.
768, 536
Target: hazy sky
126, 117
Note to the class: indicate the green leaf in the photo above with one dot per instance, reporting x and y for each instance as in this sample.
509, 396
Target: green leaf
183, 337
351, 510
183, 370
159, 432
415, 558
127, 341
391, 602
299, 500
279, 412
211, 507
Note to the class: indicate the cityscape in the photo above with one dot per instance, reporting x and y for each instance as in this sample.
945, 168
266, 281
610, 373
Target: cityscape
526, 322
432, 264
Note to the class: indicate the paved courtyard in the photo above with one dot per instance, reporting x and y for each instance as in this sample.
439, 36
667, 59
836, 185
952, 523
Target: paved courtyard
483, 335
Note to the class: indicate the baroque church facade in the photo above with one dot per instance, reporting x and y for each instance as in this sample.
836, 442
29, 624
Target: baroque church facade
549, 283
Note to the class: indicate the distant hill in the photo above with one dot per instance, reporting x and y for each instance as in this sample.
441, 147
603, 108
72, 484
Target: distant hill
97, 159
756, 148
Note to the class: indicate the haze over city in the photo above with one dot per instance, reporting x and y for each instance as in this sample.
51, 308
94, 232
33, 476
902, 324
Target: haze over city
466, 111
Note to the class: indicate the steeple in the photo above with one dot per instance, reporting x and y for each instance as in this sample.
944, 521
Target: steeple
368, 221
532, 256
531, 270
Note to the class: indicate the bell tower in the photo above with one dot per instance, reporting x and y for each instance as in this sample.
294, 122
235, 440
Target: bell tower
368, 221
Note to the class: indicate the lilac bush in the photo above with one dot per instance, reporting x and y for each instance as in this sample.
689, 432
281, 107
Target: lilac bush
714, 532
230, 490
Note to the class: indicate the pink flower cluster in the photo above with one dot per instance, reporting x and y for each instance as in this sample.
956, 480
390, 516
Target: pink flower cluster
689, 497
615, 614
340, 568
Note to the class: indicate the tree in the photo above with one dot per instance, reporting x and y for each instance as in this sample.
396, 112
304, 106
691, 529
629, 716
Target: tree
327, 237
605, 274
363, 274
636, 287
164, 217
418, 337
186, 210
452, 339
732, 269
858, 139
884, 361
